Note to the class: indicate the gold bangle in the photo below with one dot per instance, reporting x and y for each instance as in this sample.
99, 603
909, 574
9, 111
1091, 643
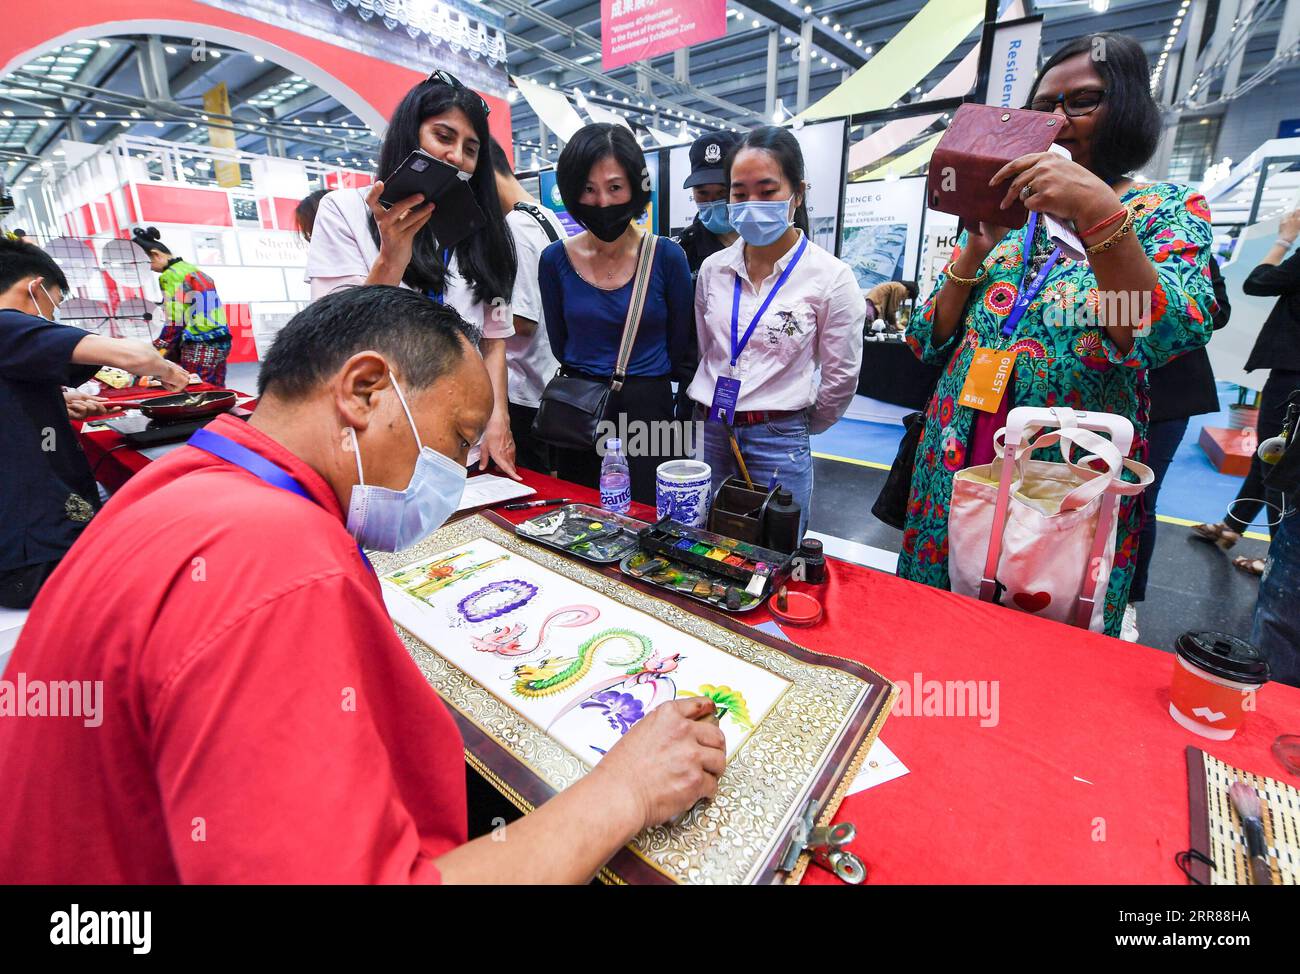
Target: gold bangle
1114, 238
966, 281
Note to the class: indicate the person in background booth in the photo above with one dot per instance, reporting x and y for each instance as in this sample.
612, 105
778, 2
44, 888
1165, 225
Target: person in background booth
528, 352
586, 283
225, 697
884, 300
1181, 389
780, 316
47, 492
356, 241
304, 213
194, 331
1277, 349
1148, 242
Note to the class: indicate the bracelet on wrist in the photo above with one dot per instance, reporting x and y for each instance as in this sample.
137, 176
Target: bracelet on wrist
966, 281
1113, 239
1284, 243
1115, 217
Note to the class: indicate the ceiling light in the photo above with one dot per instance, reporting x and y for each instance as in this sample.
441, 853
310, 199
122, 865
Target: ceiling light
258, 58
169, 49
103, 43
216, 54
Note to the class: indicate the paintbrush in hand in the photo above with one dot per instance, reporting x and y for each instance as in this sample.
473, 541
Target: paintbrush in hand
1246, 800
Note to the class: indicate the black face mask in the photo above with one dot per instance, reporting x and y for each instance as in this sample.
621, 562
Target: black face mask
606, 222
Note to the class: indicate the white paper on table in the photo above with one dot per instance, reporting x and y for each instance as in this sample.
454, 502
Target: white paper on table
488, 488
881, 765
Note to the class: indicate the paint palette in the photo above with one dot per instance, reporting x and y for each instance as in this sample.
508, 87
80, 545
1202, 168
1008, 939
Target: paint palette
755, 569
693, 583
587, 532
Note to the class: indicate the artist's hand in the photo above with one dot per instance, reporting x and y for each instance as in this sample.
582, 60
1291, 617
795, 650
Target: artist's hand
397, 226
1058, 186
80, 406
668, 761
498, 445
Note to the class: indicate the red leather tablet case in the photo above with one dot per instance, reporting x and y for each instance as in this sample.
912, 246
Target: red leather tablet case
981, 140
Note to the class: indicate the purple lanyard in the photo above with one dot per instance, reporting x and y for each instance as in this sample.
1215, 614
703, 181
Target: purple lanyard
1025, 295
737, 343
263, 469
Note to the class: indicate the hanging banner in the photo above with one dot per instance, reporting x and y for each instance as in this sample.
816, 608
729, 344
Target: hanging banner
216, 102
632, 30
461, 36
882, 229
1015, 62
551, 107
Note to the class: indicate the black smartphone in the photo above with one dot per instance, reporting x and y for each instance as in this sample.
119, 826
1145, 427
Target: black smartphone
456, 214
419, 173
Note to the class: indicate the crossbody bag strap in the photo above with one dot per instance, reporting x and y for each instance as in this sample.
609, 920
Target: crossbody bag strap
536, 214
635, 306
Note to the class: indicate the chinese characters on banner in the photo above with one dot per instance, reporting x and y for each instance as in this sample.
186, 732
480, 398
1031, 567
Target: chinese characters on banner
631, 30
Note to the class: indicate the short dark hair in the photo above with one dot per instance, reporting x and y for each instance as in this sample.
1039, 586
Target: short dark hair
499, 161
785, 147
149, 239
1127, 136
304, 213
589, 145
19, 260
485, 259
912, 289
419, 336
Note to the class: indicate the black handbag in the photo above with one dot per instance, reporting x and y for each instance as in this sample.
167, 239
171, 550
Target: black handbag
574, 406
891, 503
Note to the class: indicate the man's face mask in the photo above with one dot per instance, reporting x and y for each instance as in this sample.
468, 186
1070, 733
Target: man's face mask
389, 520
54, 305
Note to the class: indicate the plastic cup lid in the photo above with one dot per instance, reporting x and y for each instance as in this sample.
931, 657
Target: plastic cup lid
1224, 655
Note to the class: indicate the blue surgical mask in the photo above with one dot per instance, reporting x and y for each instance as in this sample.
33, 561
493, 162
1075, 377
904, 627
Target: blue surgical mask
714, 216
389, 520
760, 222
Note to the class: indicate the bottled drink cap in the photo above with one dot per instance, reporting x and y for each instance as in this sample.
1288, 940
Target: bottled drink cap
613, 445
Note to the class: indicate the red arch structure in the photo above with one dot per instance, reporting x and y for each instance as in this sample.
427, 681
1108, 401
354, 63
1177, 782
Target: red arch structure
366, 85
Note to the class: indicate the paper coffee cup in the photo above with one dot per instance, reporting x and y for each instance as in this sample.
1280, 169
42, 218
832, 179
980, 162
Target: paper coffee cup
1216, 677
682, 489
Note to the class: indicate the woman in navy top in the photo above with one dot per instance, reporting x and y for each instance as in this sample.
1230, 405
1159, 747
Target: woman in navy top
586, 286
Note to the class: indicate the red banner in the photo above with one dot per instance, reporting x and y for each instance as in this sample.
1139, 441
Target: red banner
631, 30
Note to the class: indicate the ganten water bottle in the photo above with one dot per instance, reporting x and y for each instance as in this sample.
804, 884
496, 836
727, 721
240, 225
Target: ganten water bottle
615, 478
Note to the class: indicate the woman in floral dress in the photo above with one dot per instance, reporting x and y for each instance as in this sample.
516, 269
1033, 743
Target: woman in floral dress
1087, 340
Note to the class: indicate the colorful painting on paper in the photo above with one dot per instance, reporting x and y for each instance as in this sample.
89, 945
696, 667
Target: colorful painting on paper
580, 665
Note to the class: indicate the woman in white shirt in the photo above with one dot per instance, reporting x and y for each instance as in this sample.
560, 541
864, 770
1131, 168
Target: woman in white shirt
779, 322
356, 241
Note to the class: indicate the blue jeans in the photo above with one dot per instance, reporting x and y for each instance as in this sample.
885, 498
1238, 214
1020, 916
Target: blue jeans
1276, 632
779, 448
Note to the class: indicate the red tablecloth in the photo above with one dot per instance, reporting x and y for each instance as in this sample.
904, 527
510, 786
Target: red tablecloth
1081, 777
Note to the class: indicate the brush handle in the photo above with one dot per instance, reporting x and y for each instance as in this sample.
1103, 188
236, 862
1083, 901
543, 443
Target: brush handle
1257, 848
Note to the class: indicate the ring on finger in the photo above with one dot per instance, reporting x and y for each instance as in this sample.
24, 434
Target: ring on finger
1027, 192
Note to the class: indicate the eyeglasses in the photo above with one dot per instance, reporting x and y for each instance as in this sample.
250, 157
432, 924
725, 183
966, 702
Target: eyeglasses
1076, 104
440, 77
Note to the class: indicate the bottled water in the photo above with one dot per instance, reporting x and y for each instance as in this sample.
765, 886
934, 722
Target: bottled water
615, 478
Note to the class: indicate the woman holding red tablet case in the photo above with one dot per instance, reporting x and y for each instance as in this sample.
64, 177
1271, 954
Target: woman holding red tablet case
357, 240
1019, 324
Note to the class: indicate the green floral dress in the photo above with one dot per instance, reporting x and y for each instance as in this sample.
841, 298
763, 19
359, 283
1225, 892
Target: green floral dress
1061, 362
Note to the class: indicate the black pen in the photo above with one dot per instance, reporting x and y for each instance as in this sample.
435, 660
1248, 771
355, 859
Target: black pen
547, 503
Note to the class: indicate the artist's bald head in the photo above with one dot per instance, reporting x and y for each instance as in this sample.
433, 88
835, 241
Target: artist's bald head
334, 366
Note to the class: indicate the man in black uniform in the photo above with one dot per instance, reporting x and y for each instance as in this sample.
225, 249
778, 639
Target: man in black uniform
709, 232
47, 492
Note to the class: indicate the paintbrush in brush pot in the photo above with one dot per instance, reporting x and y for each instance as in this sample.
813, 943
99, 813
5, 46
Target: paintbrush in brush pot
1246, 801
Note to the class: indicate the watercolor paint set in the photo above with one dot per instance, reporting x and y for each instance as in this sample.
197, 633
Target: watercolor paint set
588, 532
693, 583
733, 563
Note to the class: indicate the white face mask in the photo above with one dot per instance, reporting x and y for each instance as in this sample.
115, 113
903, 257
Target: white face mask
389, 520
54, 307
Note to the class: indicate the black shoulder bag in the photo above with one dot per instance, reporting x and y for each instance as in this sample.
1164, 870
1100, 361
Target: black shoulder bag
574, 406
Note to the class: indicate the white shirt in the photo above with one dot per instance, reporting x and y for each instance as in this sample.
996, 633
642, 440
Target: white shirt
529, 358
805, 352
342, 251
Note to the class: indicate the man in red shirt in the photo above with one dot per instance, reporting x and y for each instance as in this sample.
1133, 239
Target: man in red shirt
253, 716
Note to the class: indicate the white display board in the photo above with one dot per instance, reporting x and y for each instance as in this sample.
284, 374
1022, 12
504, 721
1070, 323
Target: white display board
937, 241
882, 229
823, 156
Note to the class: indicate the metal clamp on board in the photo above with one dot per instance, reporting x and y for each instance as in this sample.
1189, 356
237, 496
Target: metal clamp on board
826, 845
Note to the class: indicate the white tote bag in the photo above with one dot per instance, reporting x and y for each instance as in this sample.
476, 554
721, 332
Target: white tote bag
1039, 536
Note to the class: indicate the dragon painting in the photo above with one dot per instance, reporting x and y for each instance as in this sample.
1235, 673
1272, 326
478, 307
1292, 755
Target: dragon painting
508, 640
